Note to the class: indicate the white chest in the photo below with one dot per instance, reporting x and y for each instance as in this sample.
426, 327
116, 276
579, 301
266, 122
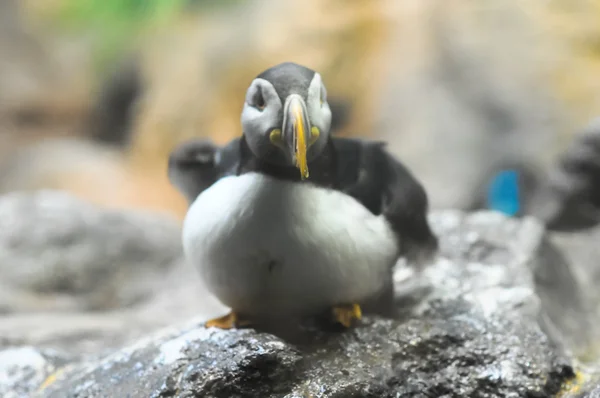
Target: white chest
266, 245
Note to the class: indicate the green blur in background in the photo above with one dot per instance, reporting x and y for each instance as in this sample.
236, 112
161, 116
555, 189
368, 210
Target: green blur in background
117, 25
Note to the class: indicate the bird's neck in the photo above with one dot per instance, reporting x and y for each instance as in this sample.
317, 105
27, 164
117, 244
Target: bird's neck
322, 170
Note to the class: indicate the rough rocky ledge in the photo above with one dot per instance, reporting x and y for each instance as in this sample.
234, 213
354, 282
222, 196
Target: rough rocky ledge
480, 322
60, 253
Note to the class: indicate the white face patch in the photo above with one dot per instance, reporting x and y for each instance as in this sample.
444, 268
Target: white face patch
263, 112
318, 108
319, 112
260, 97
262, 106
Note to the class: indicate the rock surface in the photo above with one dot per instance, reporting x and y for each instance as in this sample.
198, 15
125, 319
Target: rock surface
472, 325
581, 253
592, 393
61, 253
85, 279
24, 369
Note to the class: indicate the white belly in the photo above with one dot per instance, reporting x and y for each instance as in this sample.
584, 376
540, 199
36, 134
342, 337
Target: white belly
265, 246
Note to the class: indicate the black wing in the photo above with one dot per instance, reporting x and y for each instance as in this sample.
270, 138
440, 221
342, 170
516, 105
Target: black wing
385, 186
228, 158
197, 164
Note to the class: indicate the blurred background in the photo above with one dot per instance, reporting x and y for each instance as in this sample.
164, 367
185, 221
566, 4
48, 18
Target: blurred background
94, 94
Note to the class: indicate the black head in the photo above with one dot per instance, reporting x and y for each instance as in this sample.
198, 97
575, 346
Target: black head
286, 118
192, 167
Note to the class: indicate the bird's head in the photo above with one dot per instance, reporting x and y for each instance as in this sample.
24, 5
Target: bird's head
286, 119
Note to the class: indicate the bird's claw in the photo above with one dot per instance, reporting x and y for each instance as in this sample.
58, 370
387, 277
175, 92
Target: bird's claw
347, 314
229, 321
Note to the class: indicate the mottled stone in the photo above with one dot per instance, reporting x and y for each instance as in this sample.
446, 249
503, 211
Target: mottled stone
61, 253
24, 369
468, 326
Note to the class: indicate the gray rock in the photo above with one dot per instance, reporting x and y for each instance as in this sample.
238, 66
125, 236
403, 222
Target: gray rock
176, 296
470, 327
580, 251
591, 393
61, 253
179, 297
24, 369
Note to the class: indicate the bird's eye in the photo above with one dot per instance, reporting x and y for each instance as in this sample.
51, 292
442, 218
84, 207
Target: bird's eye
258, 100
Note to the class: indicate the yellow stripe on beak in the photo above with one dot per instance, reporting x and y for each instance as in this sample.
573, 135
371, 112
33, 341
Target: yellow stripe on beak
300, 139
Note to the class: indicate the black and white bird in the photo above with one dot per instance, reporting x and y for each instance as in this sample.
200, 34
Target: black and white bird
288, 220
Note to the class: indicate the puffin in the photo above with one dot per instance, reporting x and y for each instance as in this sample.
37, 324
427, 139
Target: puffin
288, 220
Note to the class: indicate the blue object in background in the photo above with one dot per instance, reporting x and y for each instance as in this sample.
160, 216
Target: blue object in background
503, 193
